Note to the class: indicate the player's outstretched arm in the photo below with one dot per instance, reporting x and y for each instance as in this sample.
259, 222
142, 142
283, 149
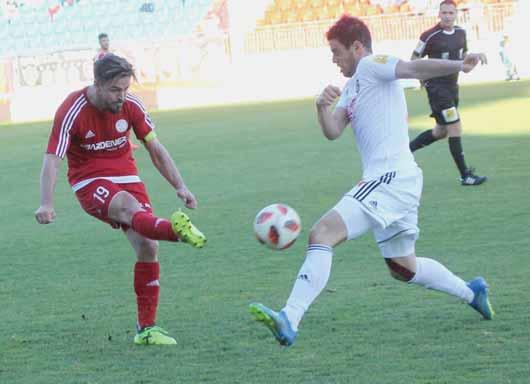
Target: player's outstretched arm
331, 121
48, 177
167, 168
430, 68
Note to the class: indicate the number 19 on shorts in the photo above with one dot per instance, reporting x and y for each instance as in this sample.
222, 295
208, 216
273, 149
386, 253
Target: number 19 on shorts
101, 194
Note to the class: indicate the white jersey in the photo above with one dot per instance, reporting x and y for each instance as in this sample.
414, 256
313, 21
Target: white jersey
376, 107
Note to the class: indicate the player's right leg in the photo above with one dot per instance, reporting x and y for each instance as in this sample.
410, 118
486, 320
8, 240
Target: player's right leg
147, 288
397, 246
427, 137
431, 274
437, 100
346, 220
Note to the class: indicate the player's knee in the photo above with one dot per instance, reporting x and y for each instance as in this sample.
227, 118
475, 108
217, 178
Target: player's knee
147, 250
123, 207
398, 271
454, 130
320, 234
329, 230
397, 276
440, 132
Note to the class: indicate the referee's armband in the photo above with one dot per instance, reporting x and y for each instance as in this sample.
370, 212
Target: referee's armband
150, 137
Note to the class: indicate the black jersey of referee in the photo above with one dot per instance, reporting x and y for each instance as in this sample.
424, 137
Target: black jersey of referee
439, 44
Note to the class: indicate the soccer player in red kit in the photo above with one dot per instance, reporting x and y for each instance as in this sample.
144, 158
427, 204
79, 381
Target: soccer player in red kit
91, 128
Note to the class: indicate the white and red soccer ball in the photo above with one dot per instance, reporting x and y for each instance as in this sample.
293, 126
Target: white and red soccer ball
277, 226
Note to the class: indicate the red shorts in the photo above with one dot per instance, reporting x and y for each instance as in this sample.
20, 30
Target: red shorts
96, 197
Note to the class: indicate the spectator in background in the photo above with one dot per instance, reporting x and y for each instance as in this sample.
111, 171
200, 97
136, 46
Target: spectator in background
11, 10
418, 6
476, 18
148, 7
103, 39
504, 52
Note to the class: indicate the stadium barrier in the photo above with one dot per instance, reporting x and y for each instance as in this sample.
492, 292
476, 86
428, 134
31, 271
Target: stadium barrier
280, 62
394, 27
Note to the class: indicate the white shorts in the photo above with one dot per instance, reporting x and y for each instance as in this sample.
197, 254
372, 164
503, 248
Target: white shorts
388, 205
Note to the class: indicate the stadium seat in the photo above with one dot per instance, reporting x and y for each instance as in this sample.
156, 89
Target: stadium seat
333, 3
309, 15
317, 3
291, 16
299, 4
353, 9
284, 5
276, 18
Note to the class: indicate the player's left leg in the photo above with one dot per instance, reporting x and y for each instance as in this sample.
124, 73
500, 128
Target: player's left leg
125, 207
147, 289
313, 276
346, 220
450, 117
467, 174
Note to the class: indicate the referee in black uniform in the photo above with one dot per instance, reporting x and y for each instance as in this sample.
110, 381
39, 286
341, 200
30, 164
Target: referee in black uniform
445, 41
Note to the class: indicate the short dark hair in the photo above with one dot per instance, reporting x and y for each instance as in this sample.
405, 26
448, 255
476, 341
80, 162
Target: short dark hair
349, 29
448, 2
112, 66
102, 35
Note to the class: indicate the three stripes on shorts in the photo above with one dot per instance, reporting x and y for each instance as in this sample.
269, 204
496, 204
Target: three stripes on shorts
368, 187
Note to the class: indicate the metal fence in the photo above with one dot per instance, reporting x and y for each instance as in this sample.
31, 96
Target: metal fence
492, 18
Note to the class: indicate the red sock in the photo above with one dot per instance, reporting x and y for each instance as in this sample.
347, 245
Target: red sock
147, 288
153, 227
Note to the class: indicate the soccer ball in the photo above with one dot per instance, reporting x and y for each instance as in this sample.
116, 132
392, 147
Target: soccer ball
277, 226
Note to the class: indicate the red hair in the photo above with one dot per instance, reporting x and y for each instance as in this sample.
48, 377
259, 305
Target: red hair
349, 29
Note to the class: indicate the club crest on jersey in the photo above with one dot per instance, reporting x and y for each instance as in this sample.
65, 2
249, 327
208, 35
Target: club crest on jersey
121, 125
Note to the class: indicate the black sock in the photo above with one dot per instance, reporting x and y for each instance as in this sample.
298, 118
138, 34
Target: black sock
422, 140
455, 146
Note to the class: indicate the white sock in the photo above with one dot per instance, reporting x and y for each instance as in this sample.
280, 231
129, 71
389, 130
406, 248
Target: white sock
433, 275
311, 280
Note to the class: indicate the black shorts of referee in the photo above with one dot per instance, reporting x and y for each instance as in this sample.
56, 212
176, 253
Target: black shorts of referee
443, 99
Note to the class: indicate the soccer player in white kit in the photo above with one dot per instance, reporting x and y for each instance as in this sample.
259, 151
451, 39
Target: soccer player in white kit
387, 198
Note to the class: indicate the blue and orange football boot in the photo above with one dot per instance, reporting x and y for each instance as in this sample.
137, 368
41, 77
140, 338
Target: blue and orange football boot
277, 323
481, 302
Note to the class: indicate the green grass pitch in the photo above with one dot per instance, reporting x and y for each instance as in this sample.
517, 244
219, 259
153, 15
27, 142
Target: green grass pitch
67, 308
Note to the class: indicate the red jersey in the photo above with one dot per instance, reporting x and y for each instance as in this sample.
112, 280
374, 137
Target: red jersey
96, 143
100, 55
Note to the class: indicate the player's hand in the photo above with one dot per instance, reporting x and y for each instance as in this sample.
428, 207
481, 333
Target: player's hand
471, 60
187, 197
328, 96
45, 214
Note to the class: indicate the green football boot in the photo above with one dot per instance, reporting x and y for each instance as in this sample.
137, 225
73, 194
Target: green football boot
153, 336
186, 231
